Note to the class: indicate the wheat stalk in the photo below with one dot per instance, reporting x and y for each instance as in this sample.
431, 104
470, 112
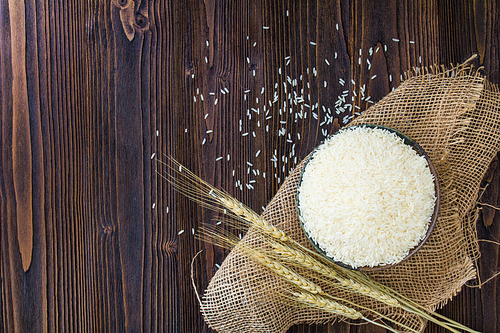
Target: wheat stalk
305, 286
365, 290
227, 240
286, 273
326, 304
306, 261
206, 195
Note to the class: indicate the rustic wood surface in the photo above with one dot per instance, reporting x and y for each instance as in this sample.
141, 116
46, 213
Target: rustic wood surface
91, 236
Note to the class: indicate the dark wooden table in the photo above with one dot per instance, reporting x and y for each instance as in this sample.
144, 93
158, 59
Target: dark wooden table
93, 91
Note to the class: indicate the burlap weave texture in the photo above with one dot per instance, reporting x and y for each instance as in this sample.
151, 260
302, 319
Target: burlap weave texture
455, 116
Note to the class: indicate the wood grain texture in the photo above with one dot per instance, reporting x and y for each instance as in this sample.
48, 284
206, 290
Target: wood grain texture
93, 92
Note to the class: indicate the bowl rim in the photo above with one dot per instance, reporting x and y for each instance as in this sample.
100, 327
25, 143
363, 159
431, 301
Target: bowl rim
416, 147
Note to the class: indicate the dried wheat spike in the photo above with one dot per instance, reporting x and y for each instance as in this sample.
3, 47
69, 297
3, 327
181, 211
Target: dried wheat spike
365, 290
306, 261
326, 304
285, 272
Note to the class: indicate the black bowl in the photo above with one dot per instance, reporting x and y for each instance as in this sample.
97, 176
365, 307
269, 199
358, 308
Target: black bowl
420, 152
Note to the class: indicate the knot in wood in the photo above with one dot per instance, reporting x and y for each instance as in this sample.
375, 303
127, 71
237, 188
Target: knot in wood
108, 230
141, 21
170, 247
189, 68
122, 4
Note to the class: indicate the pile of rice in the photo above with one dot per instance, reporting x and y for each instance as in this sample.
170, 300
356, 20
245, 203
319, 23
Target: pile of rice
366, 198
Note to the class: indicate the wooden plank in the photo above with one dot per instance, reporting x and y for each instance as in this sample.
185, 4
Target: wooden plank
92, 93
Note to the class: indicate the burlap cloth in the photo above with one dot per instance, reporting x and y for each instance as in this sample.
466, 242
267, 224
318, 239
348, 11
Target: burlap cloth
454, 115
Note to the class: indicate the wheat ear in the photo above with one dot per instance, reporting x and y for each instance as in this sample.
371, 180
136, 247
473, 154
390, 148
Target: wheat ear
228, 240
326, 304
282, 271
323, 303
195, 188
365, 290
306, 261
249, 215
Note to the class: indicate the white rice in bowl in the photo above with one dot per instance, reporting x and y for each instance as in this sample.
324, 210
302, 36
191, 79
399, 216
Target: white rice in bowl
366, 198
